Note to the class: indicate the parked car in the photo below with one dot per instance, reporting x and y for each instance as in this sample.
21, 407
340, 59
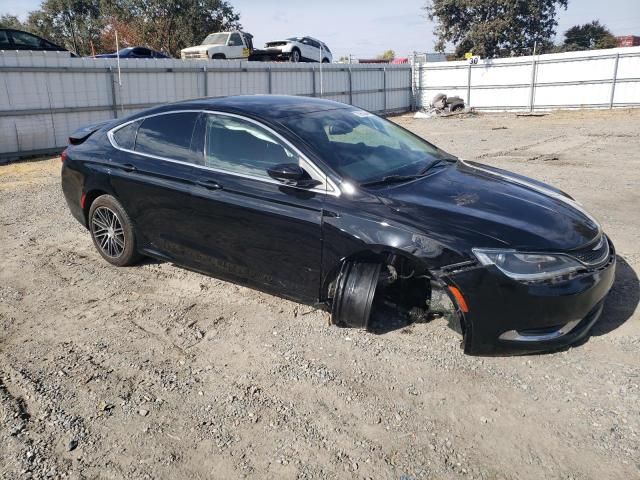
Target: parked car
11, 39
330, 205
298, 49
134, 52
220, 46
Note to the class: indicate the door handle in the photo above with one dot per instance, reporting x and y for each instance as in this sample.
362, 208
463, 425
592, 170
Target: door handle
127, 167
209, 184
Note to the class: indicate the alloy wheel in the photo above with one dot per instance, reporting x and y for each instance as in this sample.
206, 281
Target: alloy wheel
108, 232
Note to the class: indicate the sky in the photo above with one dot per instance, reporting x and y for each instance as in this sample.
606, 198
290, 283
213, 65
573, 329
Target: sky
366, 28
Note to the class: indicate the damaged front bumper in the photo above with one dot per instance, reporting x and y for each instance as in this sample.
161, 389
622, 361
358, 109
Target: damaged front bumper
505, 316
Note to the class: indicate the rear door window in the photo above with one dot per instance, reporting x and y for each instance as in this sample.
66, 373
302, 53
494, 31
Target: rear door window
167, 136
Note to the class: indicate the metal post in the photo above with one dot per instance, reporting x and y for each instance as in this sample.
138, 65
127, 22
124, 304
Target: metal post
614, 80
206, 81
270, 81
313, 77
350, 87
532, 88
384, 89
420, 101
321, 83
469, 86
114, 101
412, 84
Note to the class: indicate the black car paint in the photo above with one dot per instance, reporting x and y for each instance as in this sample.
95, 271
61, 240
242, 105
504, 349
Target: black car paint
292, 242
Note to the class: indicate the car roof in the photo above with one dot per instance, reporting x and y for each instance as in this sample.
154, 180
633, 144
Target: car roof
23, 31
268, 107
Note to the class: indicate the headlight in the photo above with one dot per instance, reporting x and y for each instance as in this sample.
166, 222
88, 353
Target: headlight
528, 266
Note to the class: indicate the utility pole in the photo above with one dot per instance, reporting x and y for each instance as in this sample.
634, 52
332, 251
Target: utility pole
321, 86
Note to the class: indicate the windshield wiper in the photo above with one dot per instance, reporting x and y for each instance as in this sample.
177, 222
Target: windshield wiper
389, 179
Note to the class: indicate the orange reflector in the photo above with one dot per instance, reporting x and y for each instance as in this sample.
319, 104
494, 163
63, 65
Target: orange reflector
462, 303
83, 200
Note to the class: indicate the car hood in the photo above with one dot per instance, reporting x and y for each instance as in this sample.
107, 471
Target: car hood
493, 209
199, 48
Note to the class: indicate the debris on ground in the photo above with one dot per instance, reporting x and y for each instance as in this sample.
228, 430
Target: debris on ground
531, 114
443, 106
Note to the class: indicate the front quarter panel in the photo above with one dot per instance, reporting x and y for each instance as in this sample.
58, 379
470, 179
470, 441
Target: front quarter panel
364, 229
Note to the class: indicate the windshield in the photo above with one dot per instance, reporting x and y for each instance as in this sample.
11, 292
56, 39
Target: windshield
295, 39
124, 51
364, 147
216, 39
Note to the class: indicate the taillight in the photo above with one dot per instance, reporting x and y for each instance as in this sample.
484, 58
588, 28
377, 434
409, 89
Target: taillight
64, 155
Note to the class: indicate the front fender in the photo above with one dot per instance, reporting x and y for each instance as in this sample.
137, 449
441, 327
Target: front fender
349, 236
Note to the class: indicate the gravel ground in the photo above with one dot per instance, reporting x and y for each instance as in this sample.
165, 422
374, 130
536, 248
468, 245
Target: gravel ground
158, 372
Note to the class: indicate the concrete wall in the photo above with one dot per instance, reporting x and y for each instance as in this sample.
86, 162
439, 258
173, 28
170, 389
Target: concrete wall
44, 97
593, 79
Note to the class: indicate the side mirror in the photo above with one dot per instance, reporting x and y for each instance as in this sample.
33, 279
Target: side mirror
286, 172
291, 174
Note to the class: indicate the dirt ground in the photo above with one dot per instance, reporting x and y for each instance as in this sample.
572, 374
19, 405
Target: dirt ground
158, 372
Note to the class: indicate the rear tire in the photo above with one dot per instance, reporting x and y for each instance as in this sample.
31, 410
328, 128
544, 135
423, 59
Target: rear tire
112, 232
295, 56
325, 60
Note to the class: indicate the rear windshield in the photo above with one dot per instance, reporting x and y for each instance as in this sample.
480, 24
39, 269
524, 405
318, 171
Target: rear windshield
362, 146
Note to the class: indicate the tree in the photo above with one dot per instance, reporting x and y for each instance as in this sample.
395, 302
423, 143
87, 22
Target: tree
492, 28
168, 26
589, 36
162, 25
11, 21
387, 55
76, 24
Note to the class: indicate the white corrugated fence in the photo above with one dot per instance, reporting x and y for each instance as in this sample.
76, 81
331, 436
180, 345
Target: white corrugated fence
44, 97
592, 79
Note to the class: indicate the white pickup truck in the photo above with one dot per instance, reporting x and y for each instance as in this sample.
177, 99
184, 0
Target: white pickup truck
221, 45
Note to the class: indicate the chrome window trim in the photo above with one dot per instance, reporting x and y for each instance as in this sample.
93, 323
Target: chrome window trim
328, 186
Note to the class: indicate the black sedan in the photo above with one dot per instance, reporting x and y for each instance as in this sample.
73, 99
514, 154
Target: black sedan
330, 205
134, 52
11, 39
